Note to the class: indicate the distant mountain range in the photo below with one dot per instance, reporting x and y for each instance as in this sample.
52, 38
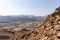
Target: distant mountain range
20, 18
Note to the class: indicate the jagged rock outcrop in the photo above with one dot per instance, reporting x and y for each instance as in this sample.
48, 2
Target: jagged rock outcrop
48, 30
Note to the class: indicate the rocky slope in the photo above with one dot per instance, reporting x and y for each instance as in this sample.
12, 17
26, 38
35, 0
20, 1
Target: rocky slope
48, 30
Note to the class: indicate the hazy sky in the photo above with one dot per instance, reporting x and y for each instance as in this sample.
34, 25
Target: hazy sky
28, 7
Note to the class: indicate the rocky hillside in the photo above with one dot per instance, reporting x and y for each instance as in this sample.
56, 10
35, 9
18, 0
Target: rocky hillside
48, 30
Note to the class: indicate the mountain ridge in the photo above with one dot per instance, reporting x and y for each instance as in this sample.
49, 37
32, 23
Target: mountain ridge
20, 17
48, 30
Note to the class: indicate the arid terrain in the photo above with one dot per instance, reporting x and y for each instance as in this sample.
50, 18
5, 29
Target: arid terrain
13, 29
49, 29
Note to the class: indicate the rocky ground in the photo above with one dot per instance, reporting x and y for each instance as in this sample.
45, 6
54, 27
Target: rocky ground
48, 30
